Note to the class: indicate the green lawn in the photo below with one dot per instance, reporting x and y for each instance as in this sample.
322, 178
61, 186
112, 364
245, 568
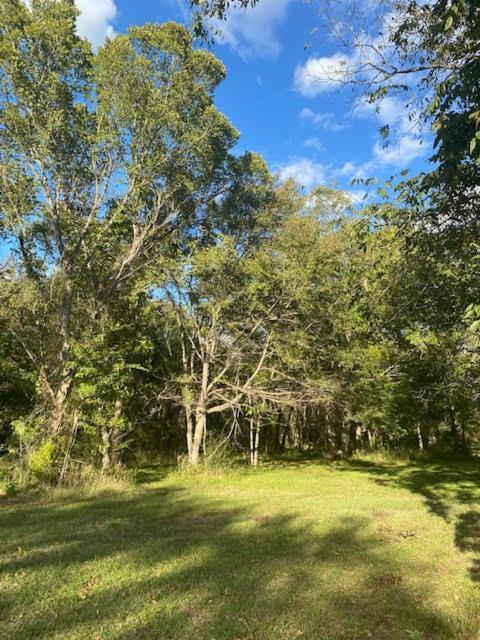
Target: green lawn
295, 550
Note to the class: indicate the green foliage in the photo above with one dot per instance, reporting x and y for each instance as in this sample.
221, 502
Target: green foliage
7, 482
41, 461
26, 430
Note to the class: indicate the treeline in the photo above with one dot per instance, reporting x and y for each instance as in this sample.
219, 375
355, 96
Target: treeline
163, 296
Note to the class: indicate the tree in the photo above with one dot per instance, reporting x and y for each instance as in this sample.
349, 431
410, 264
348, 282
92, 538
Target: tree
243, 315
223, 334
101, 158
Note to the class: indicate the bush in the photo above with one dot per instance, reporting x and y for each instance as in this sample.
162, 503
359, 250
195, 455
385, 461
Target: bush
8, 485
41, 461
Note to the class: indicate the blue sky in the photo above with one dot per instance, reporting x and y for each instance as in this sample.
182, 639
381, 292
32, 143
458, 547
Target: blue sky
276, 92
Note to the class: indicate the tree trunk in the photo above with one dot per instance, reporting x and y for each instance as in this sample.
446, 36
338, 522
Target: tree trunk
256, 443
278, 438
59, 404
352, 437
189, 425
358, 437
371, 440
464, 435
329, 434
106, 448
344, 437
200, 429
295, 431
201, 411
66, 378
420, 438
254, 440
110, 439
66, 458
453, 425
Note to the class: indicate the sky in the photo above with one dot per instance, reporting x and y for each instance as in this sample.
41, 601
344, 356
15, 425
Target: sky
277, 95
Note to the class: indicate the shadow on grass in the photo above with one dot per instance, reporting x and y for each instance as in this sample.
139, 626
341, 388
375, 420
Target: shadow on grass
162, 564
294, 460
444, 486
148, 474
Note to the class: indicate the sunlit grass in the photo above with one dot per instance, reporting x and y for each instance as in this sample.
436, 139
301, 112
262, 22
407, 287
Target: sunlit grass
300, 549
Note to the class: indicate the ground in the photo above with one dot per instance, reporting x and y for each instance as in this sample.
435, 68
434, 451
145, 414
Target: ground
298, 549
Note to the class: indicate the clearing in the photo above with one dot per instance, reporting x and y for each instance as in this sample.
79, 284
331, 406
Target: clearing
297, 549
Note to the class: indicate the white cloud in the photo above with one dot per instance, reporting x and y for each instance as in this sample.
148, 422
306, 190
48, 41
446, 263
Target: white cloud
314, 143
252, 32
325, 121
397, 155
356, 171
401, 153
366, 51
309, 174
388, 111
405, 140
348, 169
95, 20
304, 171
319, 75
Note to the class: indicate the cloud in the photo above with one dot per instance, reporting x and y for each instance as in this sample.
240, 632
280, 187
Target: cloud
389, 110
314, 143
309, 174
304, 171
348, 169
320, 75
325, 121
367, 53
401, 153
406, 143
397, 155
355, 171
252, 32
405, 146
95, 20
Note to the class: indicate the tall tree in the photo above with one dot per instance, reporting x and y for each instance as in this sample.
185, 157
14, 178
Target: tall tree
102, 156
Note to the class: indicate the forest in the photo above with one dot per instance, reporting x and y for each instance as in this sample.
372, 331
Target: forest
165, 296
169, 302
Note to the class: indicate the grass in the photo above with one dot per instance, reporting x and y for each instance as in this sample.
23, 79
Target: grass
297, 549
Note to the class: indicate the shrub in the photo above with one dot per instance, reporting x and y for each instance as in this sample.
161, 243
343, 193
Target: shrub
41, 461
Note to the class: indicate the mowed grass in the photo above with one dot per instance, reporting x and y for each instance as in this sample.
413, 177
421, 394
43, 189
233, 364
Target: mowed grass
297, 549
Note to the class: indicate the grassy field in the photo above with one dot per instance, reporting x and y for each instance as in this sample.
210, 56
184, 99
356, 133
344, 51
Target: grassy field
297, 549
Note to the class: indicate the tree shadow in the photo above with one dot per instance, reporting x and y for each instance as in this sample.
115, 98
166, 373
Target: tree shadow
160, 563
153, 473
294, 460
445, 486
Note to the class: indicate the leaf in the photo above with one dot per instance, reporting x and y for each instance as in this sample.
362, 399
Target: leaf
448, 23
475, 326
